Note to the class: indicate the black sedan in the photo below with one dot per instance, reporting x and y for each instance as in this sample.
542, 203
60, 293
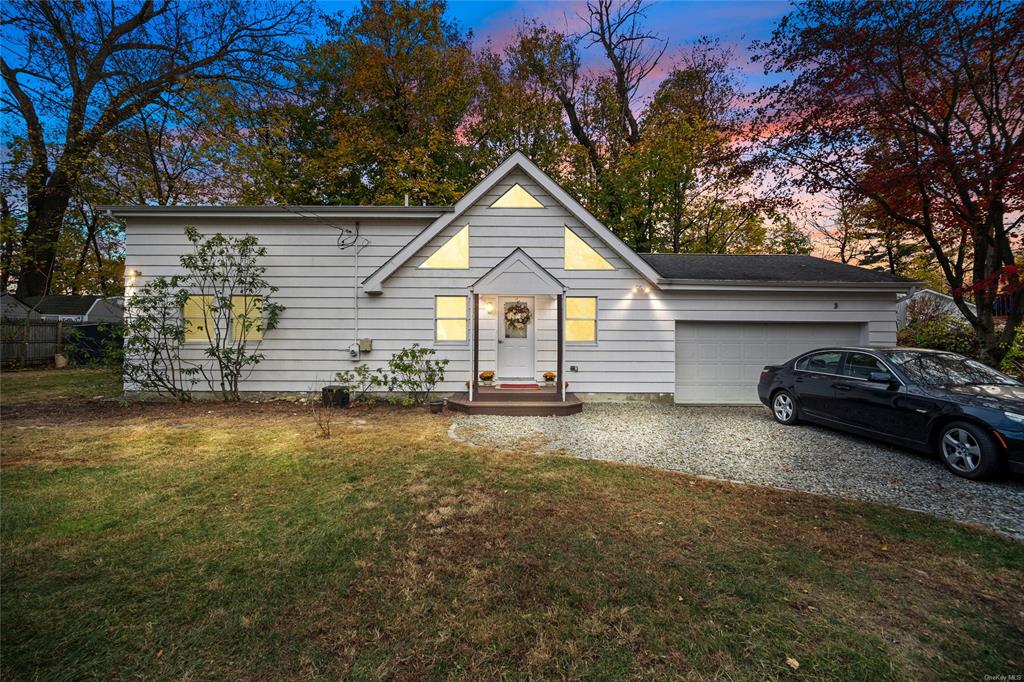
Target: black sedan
970, 414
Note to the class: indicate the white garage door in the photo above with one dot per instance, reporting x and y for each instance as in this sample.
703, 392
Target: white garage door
720, 362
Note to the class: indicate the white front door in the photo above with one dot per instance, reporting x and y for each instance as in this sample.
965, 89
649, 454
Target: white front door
515, 338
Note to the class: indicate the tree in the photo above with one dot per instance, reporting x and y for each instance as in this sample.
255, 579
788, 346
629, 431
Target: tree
76, 71
684, 183
844, 229
237, 306
919, 109
599, 109
784, 236
379, 108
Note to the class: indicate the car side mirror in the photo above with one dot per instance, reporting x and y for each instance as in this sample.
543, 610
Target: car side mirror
880, 377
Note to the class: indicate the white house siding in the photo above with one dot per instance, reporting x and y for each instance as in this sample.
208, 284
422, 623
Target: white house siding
635, 352
314, 277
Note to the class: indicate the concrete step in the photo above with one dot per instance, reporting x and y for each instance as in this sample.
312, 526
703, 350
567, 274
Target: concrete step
533, 408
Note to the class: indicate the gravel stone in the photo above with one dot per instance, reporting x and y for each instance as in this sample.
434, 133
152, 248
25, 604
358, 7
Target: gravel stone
745, 445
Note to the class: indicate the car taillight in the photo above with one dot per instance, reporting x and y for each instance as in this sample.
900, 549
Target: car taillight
764, 371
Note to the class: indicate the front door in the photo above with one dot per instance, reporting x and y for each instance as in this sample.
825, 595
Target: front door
516, 337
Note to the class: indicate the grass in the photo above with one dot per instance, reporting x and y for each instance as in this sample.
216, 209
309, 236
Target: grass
42, 385
229, 541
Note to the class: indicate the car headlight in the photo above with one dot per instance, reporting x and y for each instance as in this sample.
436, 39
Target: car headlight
1014, 417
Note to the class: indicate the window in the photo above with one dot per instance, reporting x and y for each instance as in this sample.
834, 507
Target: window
197, 318
826, 362
861, 365
581, 256
450, 318
581, 319
246, 310
452, 255
517, 197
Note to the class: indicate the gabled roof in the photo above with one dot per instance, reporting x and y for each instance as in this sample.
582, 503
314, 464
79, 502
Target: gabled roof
772, 268
518, 273
61, 304
374, 283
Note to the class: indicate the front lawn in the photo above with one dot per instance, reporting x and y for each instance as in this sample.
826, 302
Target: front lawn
229, 541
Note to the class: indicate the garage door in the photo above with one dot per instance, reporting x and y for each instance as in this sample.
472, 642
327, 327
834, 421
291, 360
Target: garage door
720, 362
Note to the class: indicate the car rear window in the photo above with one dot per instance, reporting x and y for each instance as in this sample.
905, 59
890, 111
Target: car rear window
826, 362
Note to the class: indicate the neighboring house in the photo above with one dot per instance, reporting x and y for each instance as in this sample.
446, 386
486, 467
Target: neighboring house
12, 308
77, 309
927, 300
614, 323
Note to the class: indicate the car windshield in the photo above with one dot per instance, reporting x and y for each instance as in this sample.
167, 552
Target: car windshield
943, 369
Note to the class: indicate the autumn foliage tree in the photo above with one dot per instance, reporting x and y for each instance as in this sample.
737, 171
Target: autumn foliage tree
74, 72
918, 108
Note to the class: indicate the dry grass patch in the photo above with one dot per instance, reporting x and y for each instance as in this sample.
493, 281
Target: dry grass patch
211, 541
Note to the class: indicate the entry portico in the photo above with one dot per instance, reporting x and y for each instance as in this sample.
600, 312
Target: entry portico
513, 305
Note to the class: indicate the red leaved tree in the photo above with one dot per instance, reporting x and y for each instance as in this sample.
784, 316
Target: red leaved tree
917, 107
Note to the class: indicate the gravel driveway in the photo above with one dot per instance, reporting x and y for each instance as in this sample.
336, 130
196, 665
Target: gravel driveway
744, 444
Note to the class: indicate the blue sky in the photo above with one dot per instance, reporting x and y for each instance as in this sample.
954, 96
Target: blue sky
681, 22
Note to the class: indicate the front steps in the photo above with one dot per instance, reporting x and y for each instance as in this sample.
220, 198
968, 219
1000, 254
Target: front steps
543, 401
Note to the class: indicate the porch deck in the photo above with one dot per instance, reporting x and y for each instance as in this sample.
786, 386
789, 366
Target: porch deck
543, 401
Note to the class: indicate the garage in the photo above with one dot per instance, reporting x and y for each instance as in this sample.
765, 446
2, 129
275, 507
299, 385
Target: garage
720, 362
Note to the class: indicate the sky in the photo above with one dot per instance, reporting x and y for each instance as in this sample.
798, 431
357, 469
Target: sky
734, 23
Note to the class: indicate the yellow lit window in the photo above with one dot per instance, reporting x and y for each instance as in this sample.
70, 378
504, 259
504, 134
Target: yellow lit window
452, 255
450, 318
517, 197
197, 318
581, 319
246, 311
580, 256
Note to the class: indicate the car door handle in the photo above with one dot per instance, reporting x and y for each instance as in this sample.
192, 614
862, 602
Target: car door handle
842, 387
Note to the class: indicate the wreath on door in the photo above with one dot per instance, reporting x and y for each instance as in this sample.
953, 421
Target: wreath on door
517, 315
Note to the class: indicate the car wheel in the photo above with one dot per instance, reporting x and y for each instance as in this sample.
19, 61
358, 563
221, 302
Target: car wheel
784, 408
969, 451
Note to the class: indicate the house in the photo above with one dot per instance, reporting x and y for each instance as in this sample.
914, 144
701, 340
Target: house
77, 309
12, 308
929, 302
519, 278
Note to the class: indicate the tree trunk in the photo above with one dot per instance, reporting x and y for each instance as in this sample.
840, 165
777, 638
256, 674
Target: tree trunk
47, 204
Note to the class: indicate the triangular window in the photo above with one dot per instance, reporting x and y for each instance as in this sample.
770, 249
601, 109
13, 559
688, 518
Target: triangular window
452, 255
517, 197
581, 256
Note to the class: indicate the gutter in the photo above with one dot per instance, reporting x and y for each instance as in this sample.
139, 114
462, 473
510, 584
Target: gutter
289, 212
780, 285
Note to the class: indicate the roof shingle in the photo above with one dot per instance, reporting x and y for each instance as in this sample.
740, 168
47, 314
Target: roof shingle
756, 268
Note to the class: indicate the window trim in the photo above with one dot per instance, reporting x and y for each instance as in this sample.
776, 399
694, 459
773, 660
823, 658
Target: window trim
597, 316
464, 318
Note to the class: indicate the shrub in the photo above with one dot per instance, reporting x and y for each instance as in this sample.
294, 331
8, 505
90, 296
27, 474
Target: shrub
359, 380
1013, 361
154, 333
414, 372
942, 333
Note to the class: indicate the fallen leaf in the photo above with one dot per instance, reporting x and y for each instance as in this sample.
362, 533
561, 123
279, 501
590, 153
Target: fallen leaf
793, 663
160, 653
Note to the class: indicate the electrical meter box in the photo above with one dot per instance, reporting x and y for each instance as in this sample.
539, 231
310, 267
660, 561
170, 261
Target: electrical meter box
365, 345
